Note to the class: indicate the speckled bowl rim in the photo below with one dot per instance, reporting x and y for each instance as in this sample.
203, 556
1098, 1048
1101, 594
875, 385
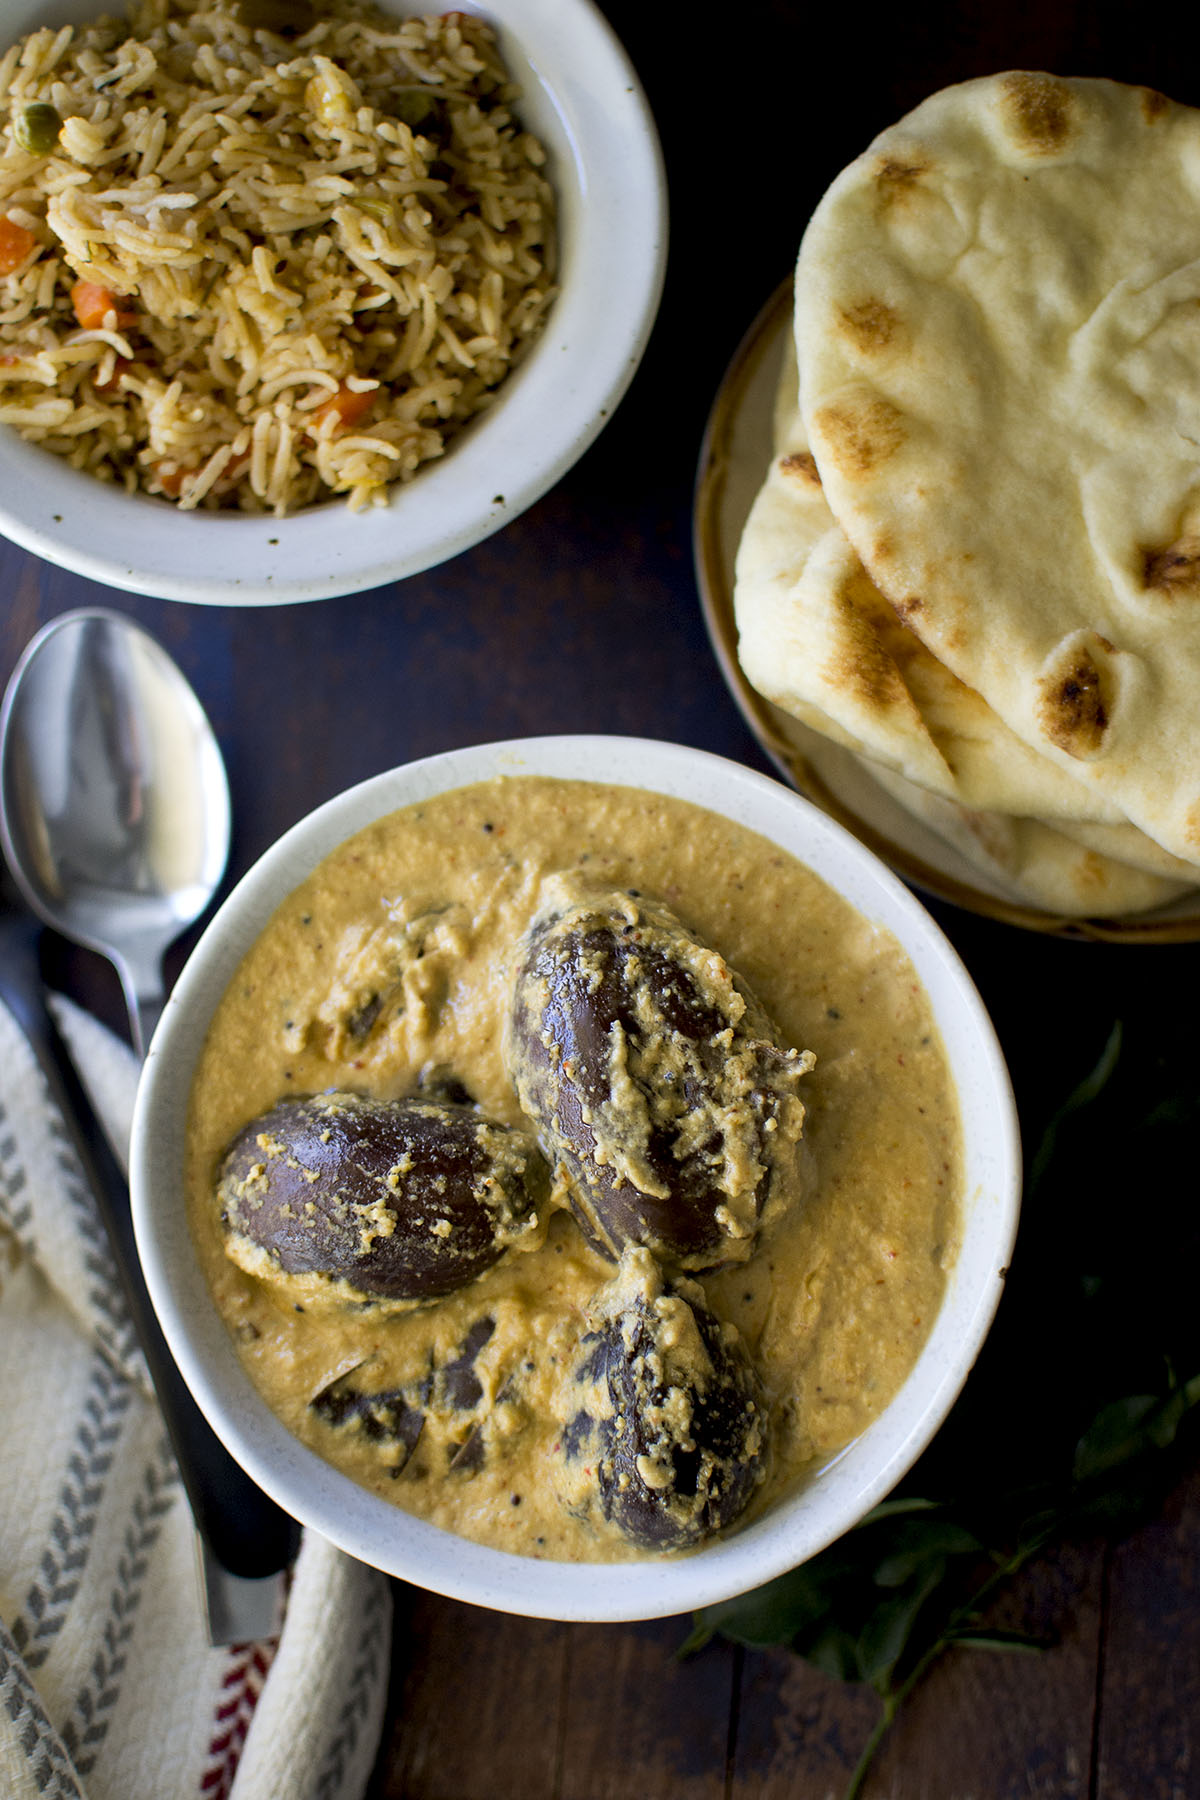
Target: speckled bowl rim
370, 1528
580, 94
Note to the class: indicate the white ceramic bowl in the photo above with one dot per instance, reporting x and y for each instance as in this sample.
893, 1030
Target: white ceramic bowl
378, 1533
582, 98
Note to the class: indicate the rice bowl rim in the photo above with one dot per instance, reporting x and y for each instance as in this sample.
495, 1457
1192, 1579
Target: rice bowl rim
582, 98
370, 1527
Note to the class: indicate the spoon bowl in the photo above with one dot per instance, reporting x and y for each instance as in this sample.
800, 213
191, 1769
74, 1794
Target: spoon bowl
114, 803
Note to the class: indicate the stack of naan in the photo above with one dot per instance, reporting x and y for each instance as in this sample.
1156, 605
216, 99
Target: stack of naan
975, 561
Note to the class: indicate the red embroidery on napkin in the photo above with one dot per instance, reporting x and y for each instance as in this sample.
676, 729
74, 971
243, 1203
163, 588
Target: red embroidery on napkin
239, 1695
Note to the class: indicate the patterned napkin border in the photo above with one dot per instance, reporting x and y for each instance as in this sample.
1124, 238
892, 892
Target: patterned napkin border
109, 1689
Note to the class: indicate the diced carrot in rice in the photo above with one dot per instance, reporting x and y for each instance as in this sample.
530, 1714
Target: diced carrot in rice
171, 480
346, 407
93, 303
15, 244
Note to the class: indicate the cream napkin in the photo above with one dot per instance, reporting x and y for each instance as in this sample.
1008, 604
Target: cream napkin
109, 1689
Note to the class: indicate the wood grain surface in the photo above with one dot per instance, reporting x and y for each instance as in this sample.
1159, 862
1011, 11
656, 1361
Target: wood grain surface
583, 615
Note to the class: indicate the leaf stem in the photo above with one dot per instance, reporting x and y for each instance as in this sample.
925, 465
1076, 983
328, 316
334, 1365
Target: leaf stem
879, 1732
966, 1613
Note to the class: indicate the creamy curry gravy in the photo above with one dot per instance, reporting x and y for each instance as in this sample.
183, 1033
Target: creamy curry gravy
411, 927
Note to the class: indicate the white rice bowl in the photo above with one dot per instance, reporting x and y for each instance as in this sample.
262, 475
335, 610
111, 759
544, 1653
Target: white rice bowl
571, 353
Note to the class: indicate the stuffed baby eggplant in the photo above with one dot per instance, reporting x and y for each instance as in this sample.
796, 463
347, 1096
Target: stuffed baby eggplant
655, 1079
665, 1437
341, 1198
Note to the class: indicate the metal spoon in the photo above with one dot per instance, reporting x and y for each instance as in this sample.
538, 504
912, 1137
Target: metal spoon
114, 818
115, 805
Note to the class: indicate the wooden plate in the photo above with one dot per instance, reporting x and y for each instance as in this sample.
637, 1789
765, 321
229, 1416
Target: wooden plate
734, 459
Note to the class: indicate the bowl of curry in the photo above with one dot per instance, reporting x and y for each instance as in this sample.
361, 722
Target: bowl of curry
574, 1175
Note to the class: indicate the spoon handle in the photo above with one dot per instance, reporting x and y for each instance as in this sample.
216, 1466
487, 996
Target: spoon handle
145, 996
247, 1534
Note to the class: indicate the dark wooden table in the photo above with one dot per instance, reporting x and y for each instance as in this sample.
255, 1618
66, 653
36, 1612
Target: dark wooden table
583, 616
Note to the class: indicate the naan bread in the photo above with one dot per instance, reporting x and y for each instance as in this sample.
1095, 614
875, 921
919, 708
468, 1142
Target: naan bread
1049, 869
1125, 843
1042, 866
817, 638
998, 330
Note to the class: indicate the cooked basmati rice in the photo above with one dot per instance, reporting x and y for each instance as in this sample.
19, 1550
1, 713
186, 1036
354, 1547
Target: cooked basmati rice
308, 295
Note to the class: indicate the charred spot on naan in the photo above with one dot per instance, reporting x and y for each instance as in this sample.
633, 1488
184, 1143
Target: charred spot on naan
1155, 106
801, 467
1075, 699
864, 663
899, 639
897, 177
1173, 571
1092, 870
1039, 113
870, 326
859, 433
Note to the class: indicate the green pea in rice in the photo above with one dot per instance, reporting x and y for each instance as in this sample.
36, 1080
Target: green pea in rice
284, 239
